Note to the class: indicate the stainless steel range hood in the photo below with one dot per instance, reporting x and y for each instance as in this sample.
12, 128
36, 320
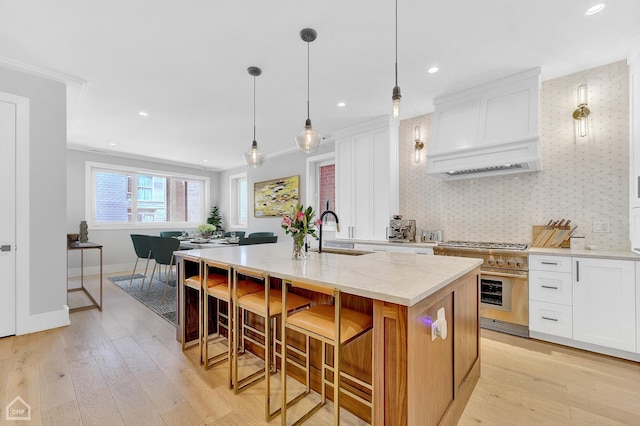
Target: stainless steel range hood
489, 130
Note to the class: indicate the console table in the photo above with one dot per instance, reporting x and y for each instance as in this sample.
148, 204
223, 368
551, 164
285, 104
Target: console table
82, 247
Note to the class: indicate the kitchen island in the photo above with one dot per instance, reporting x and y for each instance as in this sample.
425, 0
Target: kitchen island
419, 378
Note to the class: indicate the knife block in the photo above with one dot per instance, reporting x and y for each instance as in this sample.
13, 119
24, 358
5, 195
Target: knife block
537, 229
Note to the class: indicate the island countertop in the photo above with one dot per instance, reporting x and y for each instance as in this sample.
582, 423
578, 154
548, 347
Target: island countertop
401, 278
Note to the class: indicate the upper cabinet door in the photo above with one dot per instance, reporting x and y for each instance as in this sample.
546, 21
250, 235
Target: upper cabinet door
510, 113
455, 127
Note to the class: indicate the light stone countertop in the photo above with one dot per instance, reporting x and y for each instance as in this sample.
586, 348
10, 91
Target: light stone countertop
401, 278
602, 254
382, 243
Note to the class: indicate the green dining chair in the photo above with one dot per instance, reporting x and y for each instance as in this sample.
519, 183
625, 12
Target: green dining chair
142, 247
260, 234
170, 233
162, 249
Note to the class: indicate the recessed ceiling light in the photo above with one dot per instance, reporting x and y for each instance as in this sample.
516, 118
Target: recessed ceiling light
112, 144
433, 70
595, 9
342, 104
143, 114
205, 161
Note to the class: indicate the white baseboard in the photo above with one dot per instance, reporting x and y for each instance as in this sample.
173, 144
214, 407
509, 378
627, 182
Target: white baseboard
47, 321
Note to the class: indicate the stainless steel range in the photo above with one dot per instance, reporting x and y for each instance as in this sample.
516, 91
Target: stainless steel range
504, 282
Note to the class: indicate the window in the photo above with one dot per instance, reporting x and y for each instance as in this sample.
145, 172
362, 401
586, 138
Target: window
238, 200
122, 197
321, 187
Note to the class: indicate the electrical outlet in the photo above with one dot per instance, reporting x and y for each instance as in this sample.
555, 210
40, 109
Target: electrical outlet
601, 226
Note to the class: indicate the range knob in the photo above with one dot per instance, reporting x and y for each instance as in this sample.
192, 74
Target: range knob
491, 261
500, 263
519, 263
511, 263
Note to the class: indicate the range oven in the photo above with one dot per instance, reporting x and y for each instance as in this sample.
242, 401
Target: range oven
504, 283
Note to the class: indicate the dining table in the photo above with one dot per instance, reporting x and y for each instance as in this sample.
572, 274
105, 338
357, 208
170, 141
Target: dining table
202, 243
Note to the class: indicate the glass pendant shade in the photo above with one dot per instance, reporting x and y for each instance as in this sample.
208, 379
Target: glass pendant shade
395, 112
308, 140
253, 158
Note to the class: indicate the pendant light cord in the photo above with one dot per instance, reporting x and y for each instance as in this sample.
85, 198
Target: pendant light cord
254, 107
308, 78
396, 42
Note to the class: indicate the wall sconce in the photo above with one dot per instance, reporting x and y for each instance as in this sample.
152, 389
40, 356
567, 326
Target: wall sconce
418, 146
582, 112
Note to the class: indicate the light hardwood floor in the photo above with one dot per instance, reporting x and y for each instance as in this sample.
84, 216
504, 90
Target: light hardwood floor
124, 366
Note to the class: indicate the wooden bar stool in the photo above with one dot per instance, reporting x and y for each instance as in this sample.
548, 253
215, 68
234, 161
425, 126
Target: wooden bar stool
219, 286
333, 325
193, 281
266, 304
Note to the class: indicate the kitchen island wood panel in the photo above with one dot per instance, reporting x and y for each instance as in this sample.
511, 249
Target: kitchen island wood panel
416, 380
427, 381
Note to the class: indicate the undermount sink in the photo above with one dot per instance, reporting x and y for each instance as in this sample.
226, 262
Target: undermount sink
347, 252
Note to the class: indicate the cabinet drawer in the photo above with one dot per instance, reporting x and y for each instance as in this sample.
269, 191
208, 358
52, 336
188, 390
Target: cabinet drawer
550, 263
551, 318
551, 287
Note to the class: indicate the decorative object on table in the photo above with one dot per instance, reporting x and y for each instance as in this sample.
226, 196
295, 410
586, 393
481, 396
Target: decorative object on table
299, 223
215, 218
253, 158
206, 230
276, 197
308, 140
84, 231
72, 239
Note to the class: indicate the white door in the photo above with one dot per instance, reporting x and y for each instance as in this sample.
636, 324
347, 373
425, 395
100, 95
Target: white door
7, 218
604, 302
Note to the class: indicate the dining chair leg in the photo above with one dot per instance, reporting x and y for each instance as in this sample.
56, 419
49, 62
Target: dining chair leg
145, 270
169, 274
133, 272
151, 280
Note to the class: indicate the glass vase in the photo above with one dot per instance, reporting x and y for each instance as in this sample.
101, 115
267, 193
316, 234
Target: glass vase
298, 252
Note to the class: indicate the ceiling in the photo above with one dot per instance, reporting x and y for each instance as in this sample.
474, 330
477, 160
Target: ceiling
185, 63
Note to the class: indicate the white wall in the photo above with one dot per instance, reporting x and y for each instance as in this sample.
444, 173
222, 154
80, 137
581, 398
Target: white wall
583, 179
290, 164
47, 192
118, 254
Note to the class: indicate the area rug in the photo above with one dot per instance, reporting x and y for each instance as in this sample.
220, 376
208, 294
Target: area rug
153, 301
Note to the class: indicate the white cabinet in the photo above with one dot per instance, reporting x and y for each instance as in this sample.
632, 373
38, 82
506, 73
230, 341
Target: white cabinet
634, 131
477, 132
585, 301
634, 152
604, 306
550, 295
366, 179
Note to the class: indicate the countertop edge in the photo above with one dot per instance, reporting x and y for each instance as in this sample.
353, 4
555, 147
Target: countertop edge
603, 254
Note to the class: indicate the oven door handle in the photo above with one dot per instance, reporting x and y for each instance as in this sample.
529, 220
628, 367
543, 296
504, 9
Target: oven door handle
504, 275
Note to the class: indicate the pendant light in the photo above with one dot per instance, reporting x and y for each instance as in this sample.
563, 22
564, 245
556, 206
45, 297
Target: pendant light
308, 140
253, 158
396, 90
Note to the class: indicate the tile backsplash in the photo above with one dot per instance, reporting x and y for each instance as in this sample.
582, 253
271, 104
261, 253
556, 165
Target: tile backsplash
583, 179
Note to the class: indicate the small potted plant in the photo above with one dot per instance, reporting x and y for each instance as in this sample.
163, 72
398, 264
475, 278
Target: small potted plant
206, 230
